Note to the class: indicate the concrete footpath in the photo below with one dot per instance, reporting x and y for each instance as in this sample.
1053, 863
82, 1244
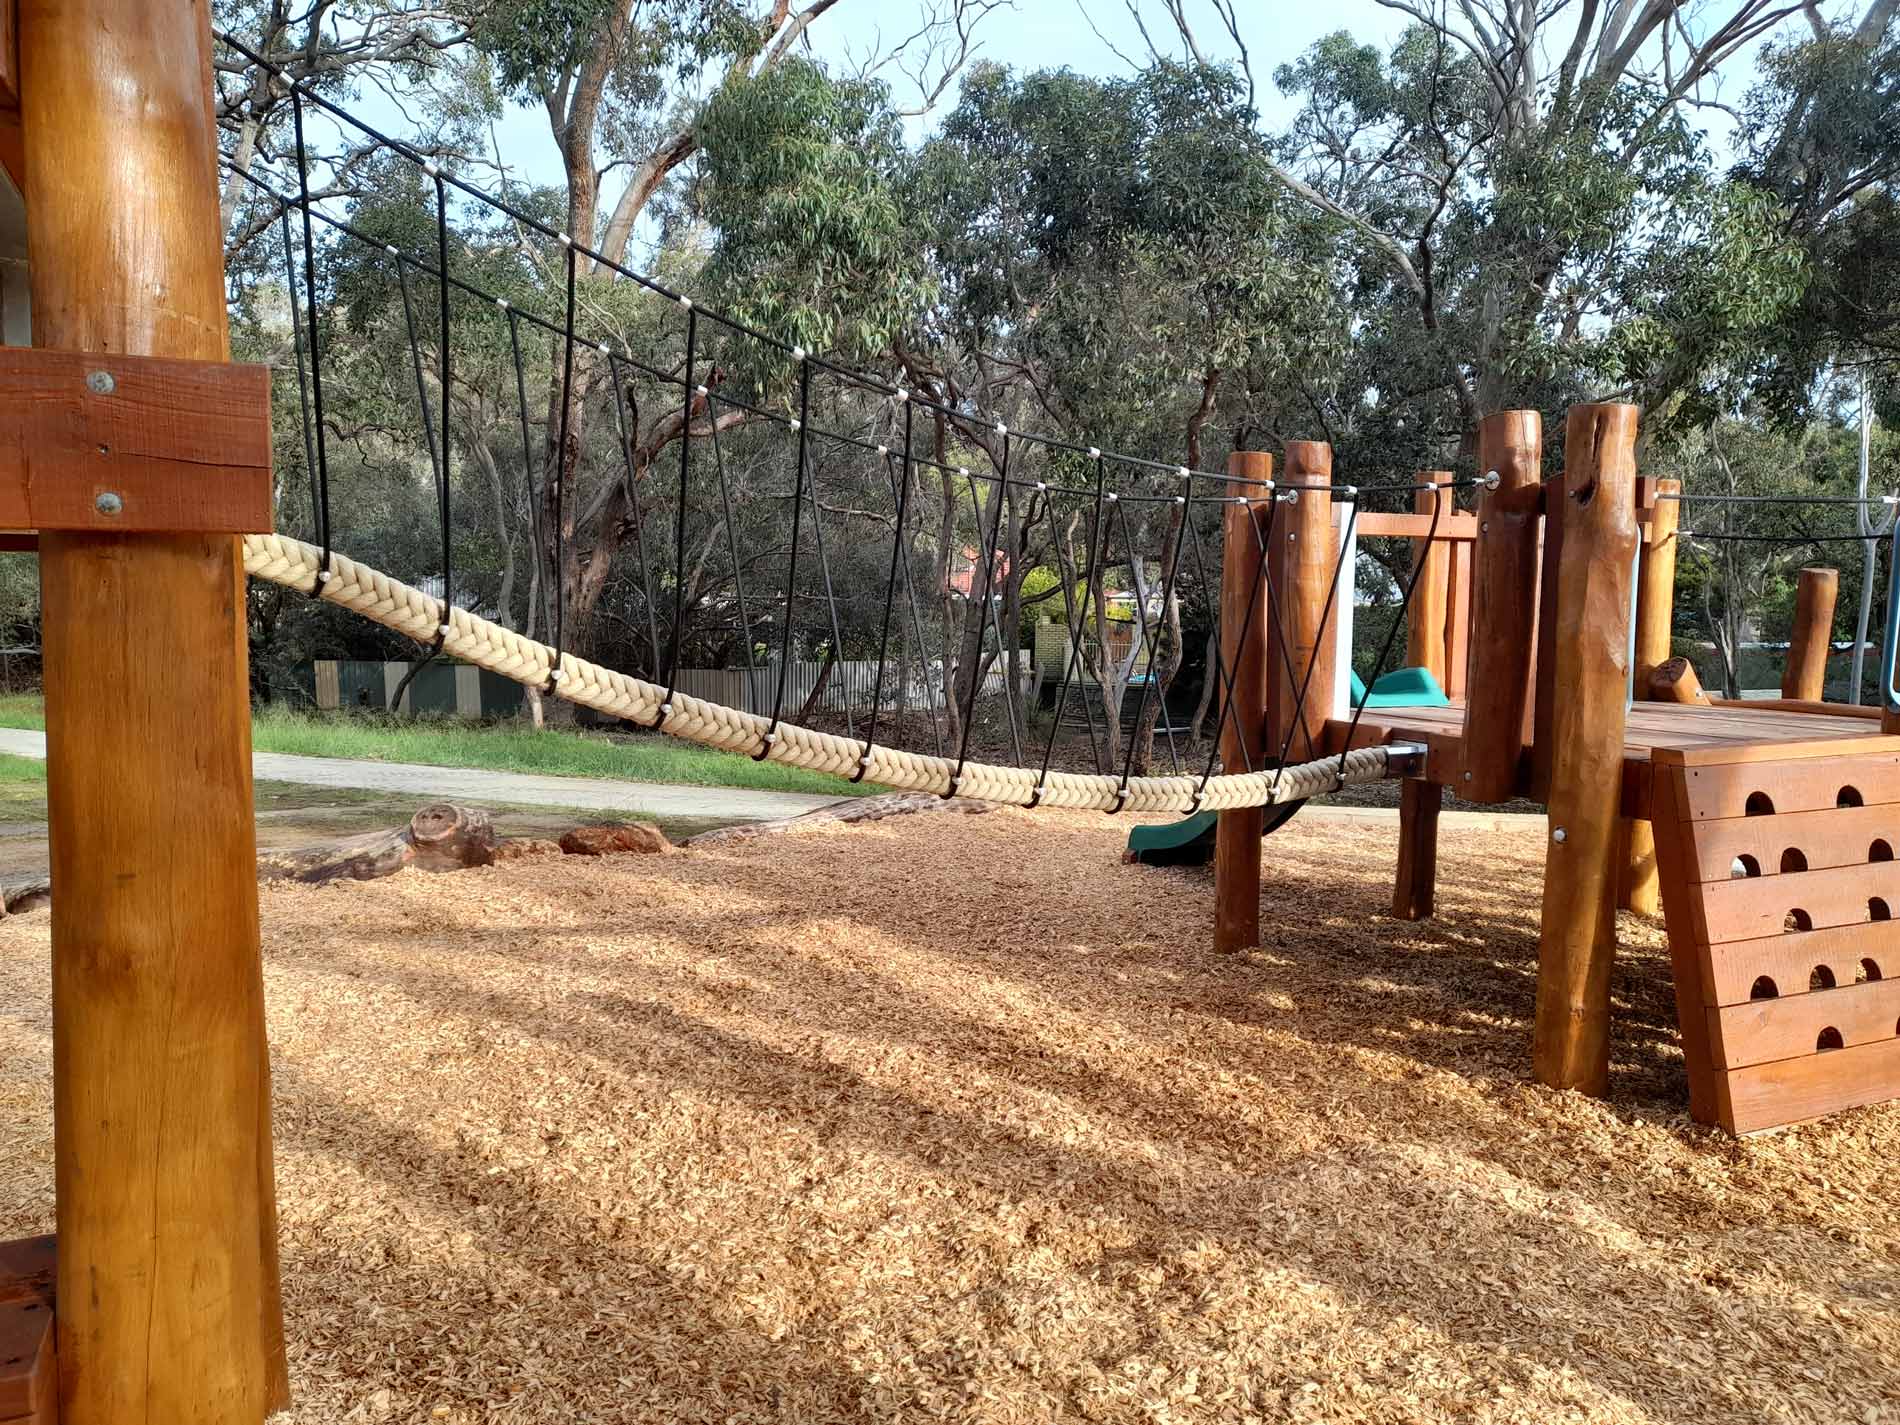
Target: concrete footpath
475, 784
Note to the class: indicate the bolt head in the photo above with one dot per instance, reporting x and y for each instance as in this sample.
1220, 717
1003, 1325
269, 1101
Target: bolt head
1557, 835
100, 383
107, 502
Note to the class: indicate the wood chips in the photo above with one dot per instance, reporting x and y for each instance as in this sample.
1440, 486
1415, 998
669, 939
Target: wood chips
959, 1118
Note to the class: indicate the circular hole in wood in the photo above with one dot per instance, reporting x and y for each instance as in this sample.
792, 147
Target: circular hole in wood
1796, 919
1869, 970
1880, 850
1820, 978
1764, 988
1759, 804
1793, 859
1829, 1038
1847, 797
1742, 867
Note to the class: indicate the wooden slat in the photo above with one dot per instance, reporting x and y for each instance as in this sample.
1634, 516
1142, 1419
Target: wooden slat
1799, 705
1764, 1030
184, 445
1681, 896
1804, 739
1810, 784
1458, 624
28, 1380
1795, 1090
1728, 972
1833, 837
1750, 908
1452, 526
1431, 585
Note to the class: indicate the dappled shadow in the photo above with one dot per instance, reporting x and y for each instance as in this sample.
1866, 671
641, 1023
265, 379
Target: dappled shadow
1163, 1138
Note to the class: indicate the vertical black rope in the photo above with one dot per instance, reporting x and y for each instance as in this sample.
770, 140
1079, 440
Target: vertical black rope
824, 570
1154, 648
537, 527
987, 615
1229, 714
910, 595
1076, 619
791, 573
303, 387
429, 436
1077, 632
679, 518
732, 543
1007, 652
316, 346
890, 598
627, 412
1297, 716
1148, 643
556, 478
1405, 609
1223, 677
446, 375
1276, 628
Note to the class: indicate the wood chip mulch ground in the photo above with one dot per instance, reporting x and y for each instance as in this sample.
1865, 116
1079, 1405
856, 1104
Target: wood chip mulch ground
959, 1118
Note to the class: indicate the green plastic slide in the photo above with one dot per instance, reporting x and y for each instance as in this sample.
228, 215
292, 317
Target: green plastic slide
1190, 842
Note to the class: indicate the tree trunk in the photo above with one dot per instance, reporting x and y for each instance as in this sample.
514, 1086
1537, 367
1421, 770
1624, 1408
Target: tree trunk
818, 688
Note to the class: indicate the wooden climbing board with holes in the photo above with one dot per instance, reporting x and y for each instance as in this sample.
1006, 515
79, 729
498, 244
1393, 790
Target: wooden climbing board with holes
1780, 887
27, 1378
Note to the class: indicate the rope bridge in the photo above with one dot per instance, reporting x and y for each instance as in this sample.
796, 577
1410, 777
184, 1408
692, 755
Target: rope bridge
1072, 491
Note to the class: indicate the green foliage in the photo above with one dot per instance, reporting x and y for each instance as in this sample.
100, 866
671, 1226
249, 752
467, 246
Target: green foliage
812, 242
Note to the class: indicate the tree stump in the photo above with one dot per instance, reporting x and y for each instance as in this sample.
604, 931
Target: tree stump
1674, 680
439, 837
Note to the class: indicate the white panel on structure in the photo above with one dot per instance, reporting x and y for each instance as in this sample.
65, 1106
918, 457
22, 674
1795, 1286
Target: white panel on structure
1342, 611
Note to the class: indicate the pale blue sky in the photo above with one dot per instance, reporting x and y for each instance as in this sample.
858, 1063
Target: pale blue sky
1033, 34
1091, 36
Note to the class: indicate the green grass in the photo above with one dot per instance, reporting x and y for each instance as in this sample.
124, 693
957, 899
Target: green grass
508, 747
22, 710
501, 747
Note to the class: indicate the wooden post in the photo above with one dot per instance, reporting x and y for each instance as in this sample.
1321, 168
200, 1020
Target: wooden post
1591, 667
1416, 886
167, 1278
1805, 675
1300, 653
1425, 627
1242, 586
1640, 888
1458, 620
1503, 606
1656, 578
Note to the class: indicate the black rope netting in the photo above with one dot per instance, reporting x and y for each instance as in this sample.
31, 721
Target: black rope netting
1137, 520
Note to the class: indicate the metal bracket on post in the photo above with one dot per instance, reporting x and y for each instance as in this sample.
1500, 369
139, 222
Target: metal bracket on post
133, 444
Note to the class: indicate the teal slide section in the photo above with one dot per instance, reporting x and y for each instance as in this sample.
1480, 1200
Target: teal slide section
1191, 842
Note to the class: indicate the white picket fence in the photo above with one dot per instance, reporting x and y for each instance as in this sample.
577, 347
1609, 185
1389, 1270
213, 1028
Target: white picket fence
852, 686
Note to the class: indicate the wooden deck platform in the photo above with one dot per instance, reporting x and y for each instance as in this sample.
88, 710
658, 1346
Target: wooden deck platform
1671, 733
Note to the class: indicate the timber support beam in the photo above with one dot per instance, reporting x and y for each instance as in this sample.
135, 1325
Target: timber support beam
1589, 713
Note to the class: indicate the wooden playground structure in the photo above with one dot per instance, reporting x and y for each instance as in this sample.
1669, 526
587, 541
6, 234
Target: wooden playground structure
1764, 831
134, 453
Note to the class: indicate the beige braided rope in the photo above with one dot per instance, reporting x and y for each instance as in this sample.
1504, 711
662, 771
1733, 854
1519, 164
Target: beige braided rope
409, 611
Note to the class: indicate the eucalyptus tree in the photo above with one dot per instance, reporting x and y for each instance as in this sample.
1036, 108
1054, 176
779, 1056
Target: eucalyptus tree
653, 106
1117, 266
1532, 190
